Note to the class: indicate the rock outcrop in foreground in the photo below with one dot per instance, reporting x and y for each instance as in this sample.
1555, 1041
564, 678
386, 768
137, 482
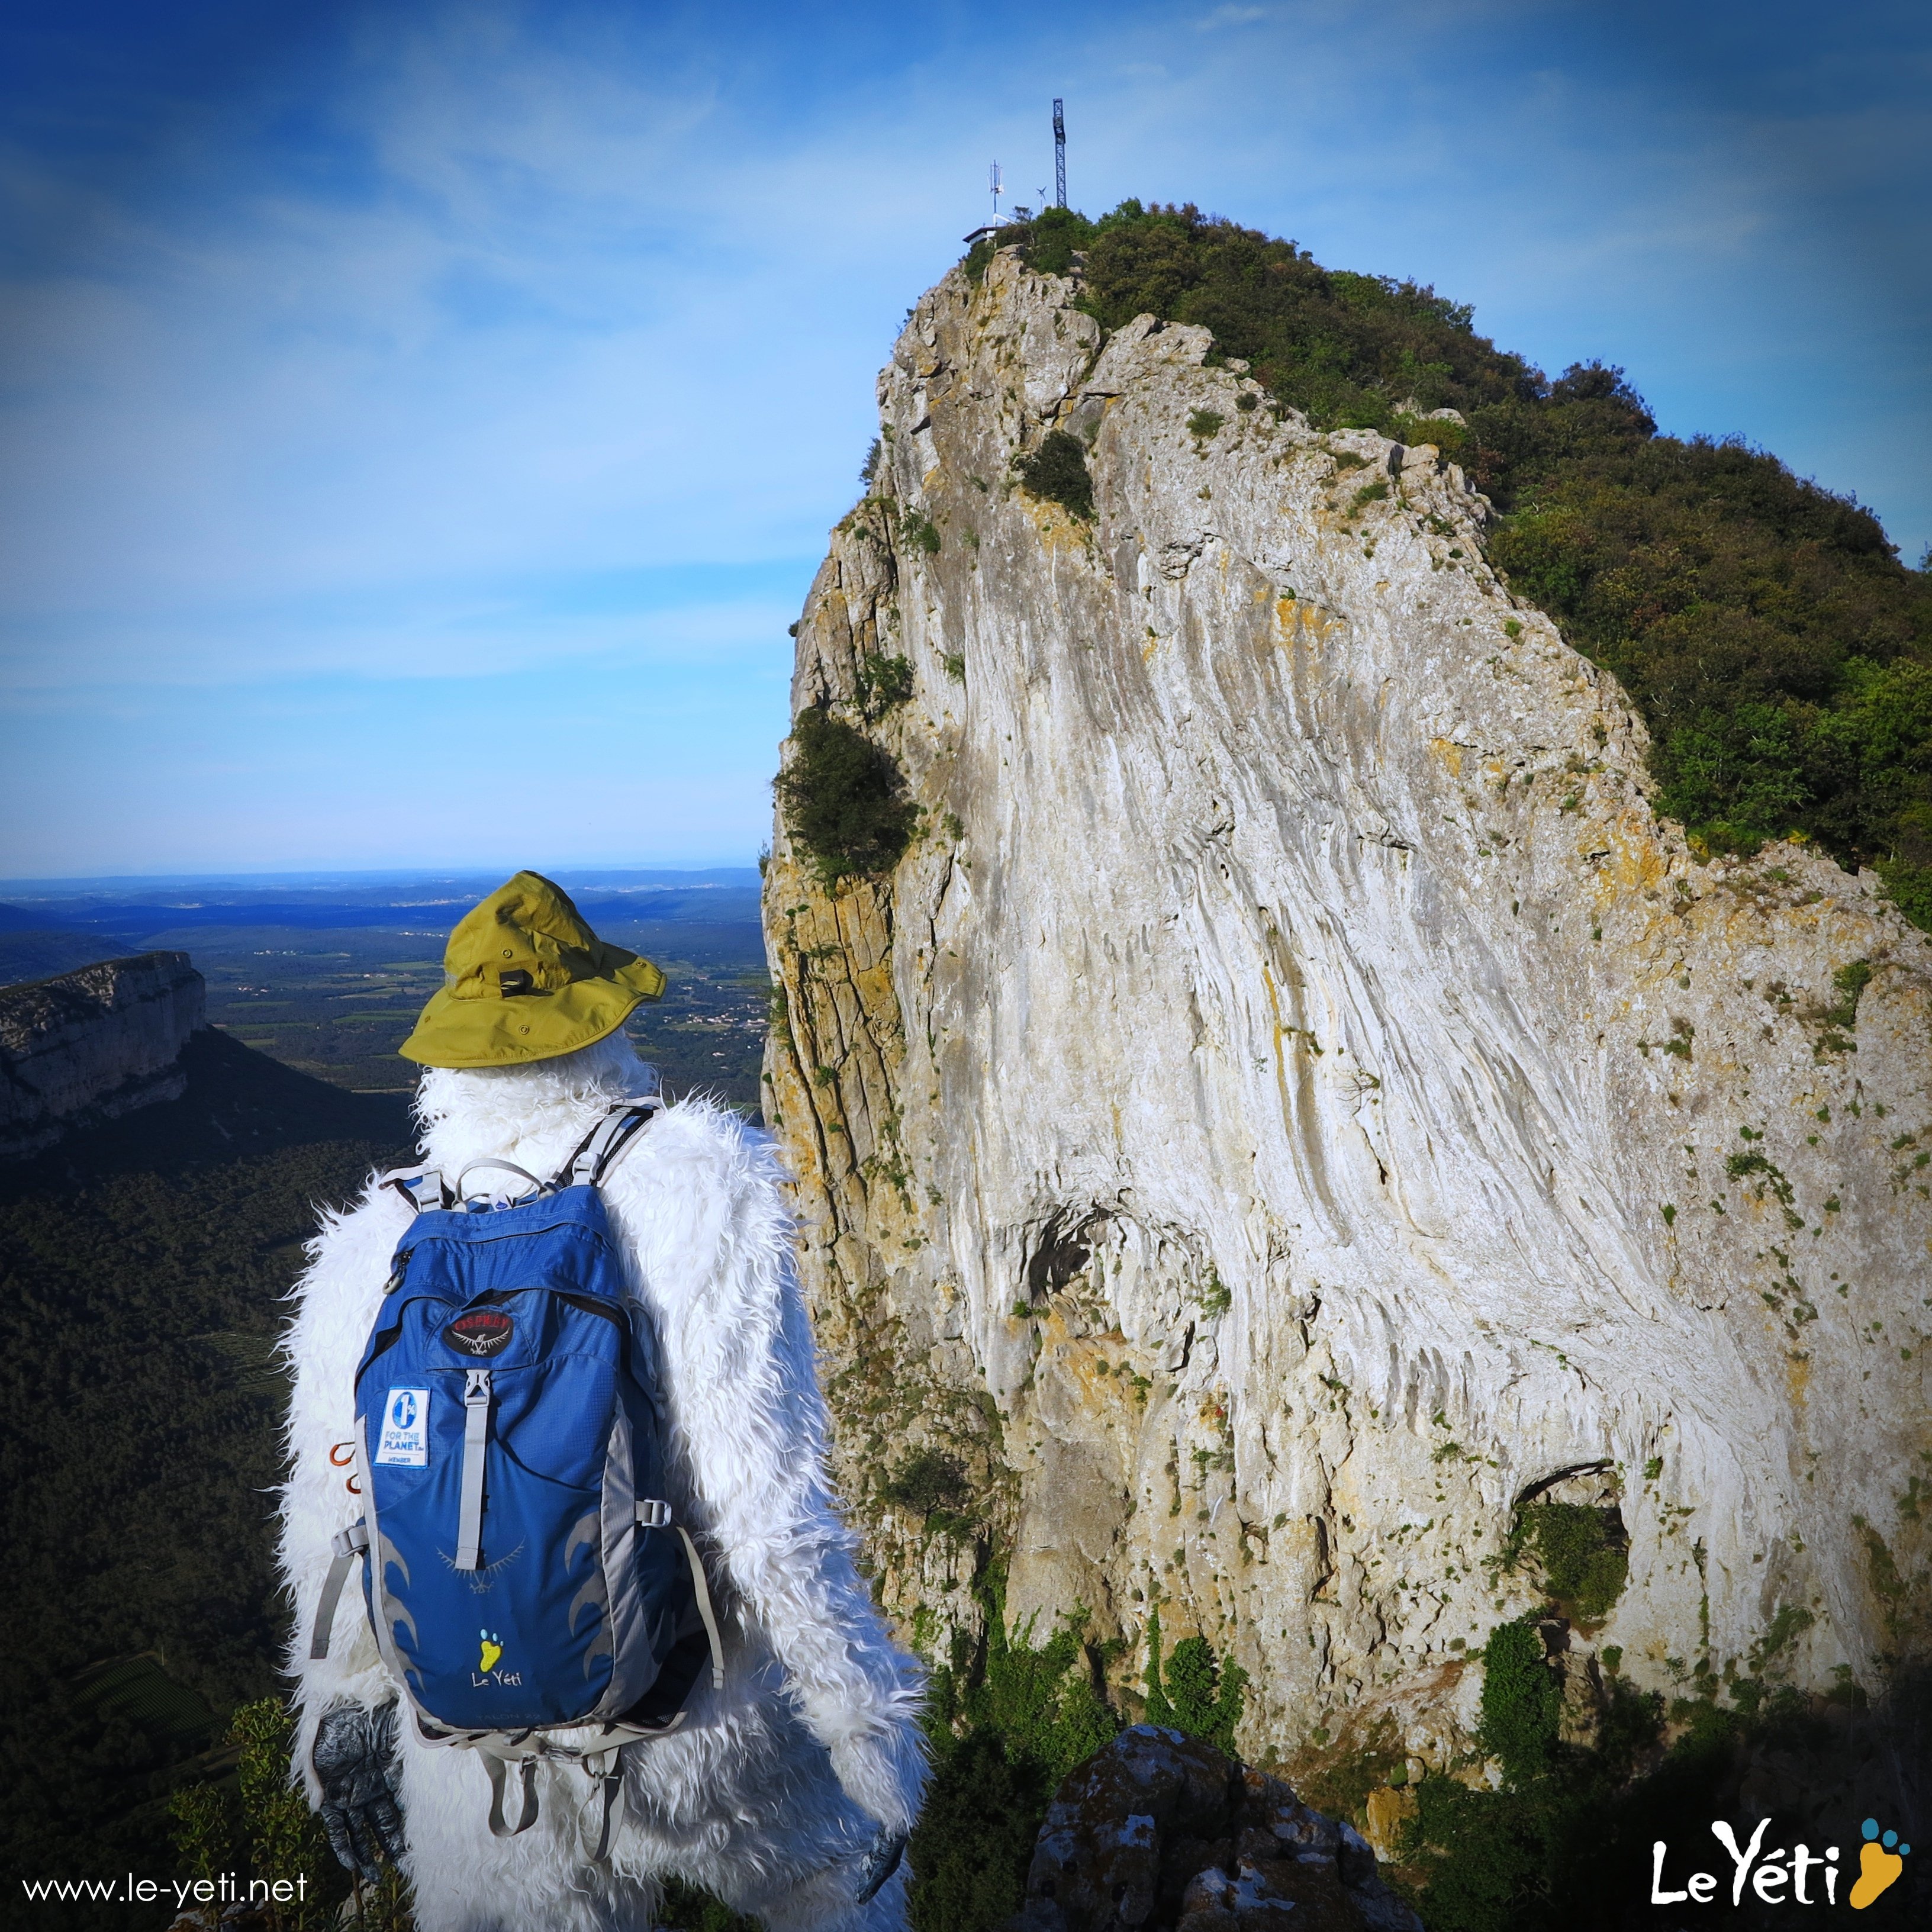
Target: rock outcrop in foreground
1294, 1106
1157, 1831
91, 1045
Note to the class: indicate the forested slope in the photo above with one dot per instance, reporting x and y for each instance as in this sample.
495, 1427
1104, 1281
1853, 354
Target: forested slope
142, 1270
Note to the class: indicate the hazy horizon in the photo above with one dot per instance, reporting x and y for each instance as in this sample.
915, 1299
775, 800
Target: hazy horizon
687, 877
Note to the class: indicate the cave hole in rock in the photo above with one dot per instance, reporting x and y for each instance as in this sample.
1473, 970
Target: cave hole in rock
1062, 1251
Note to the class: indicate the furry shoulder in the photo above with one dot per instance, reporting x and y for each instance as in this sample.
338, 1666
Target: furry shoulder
697, 1181
700, 1143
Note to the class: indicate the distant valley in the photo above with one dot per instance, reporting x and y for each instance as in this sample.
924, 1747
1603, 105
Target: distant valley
327, 973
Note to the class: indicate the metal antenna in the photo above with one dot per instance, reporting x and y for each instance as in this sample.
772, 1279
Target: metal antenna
1059, 156
994, 181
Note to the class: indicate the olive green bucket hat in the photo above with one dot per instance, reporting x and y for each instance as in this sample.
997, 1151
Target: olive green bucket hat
524, 979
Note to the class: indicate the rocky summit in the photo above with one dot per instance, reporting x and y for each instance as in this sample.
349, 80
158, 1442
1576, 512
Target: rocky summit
86, 1046
1286, 1132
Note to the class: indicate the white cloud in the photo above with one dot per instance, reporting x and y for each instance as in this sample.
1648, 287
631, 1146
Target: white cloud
542, 315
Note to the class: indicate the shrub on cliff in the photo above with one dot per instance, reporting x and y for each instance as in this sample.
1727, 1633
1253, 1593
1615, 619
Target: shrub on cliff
1057, 472
1006, 1727
1779, 651
1193, 1692
844, 799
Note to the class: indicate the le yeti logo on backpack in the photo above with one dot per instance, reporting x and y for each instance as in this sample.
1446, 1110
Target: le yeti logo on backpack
483, 1331
405, 1435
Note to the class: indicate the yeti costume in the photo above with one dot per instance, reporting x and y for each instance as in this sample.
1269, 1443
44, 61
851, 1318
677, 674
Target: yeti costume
774, 1790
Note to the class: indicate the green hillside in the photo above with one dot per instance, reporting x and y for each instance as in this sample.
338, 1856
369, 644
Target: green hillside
142, 1272
1779, 652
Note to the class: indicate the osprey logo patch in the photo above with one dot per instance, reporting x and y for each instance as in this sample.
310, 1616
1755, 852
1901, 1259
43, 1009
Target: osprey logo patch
482, 1331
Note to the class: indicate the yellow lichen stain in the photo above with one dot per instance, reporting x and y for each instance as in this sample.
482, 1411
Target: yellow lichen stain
1057, 529
1448, 754
1298, 622
1797, 1377
1280, 1059
1637, 865
1079, 1358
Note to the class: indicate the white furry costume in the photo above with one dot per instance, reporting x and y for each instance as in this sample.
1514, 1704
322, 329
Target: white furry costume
775, 1788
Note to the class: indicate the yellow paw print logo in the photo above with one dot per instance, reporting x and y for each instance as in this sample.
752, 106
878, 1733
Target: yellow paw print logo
492, 1650
1881, 1859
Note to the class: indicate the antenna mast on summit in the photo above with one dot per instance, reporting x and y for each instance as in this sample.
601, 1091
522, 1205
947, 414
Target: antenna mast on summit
1059, 156
995, 182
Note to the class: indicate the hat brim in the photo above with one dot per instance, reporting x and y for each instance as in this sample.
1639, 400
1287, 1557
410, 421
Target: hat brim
512, 1032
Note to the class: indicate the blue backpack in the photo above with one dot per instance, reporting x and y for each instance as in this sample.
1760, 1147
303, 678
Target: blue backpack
522, 1571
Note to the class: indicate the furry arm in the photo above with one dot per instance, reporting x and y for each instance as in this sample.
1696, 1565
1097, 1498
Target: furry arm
336, 1301
704, 1216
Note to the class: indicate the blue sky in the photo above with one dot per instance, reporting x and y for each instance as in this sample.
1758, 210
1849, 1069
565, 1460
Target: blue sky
419, 425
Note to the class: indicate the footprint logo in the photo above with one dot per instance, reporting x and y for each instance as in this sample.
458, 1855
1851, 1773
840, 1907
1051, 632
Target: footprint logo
492, 1650
1881, 1859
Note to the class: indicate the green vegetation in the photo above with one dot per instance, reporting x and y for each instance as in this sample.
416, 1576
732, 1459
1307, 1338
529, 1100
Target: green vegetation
1521, 1702
933, 1487
1205, 423
1584, 1553
1215, 1298
884, 681
1850, 982
1057, 472
250, 1821
1008, 1724
844, 799
142, 1267
1778, 650
1565, 1845
1006, 1727
920, 532
1557, 1846
1193, 1693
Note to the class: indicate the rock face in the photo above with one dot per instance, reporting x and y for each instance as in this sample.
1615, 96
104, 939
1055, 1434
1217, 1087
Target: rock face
1159, 1831
1293, 1104
93, 1044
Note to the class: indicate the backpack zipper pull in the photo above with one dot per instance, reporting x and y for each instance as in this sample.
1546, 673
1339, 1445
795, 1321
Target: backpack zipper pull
475, 1434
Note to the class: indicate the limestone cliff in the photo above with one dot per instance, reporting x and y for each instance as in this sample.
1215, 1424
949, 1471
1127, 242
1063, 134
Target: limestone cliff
1293, 1104
93, 1044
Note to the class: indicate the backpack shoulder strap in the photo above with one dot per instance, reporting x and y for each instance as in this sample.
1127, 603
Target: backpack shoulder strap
424, 1188
599, 1149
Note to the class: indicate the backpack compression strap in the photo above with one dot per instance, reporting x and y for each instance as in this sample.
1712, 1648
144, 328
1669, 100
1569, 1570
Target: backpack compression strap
500, 1826
348, 1544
